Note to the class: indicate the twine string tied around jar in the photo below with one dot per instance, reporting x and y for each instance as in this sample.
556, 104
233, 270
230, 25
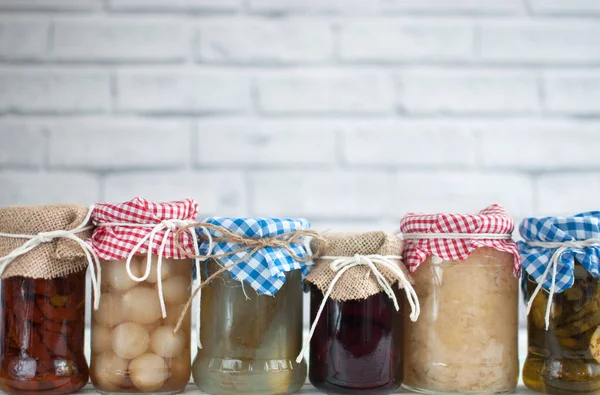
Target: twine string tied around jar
456, 236
341, 264
47, 237
561, 248
248, 245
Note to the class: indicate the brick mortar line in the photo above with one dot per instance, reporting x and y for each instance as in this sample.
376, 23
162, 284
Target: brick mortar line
306, 116
174, 67
194, 14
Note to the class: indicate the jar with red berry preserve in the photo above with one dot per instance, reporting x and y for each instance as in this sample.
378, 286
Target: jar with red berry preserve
43, 260
357, 298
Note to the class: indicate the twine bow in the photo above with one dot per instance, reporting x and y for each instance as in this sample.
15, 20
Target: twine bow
47, 237
247, 244
561, 248
341, 264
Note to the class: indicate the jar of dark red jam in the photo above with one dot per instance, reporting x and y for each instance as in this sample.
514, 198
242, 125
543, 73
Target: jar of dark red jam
357, 345
357, 340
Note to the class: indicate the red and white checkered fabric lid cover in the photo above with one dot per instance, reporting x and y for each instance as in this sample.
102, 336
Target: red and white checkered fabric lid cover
116, 242
493, 219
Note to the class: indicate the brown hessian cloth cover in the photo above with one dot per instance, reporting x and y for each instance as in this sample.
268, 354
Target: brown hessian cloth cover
56, 258
358, 282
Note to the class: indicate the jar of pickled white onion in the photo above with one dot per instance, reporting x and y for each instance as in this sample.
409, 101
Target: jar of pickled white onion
145, 285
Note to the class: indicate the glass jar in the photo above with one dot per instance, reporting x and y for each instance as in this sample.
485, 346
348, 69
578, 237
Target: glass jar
565, 359
42, 335
465, 340
357, 345
250, 341
134, 350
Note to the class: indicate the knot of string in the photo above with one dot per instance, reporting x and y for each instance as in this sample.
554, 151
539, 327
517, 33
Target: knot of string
171, 224
47, 237
341, 264
561, 247
247, 245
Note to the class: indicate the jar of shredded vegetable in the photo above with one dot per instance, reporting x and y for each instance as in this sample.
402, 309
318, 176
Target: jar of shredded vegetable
465, 271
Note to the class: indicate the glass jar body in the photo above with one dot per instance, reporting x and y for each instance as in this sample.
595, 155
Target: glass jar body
357, 346
466, 338
134, 350
561, 360
250, 343
42, 335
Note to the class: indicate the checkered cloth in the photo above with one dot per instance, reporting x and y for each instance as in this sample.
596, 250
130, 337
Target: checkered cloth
265, 270
116, 242
493, 219
560, 229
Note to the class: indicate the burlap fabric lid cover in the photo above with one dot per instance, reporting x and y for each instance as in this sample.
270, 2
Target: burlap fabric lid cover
357, 282
56, 258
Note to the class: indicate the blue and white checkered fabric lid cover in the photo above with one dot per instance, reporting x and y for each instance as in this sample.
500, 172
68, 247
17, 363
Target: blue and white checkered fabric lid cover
265, 270
560, 229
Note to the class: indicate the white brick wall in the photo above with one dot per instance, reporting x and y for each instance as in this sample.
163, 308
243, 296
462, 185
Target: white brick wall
409, 143
322, 194
54, 90
566, 7
216, 191
119, 40
23, 144
384, 40
312, 6
460, 191
264, 42
348, 112
572, 93
539, 42
26, 187
252, 142
561, 191
467, 92
23, 38
174, 5
550, 145
324, 91
118, 144
50, 5
173, 91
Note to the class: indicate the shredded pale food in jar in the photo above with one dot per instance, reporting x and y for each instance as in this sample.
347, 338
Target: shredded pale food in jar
465, 339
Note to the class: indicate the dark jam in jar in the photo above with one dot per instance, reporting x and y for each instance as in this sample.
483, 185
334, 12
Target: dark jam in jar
42, 335
357, 345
